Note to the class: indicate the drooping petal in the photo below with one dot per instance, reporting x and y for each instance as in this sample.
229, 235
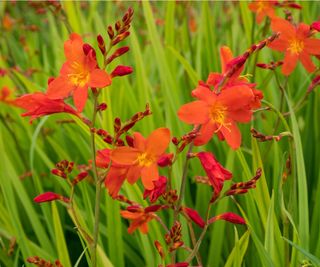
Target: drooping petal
158, 141
80, 96
307, 62
114, 180
303, 31
99, 78
232, 135
289, 63
124, 155
196, 112
206, 132
148, 175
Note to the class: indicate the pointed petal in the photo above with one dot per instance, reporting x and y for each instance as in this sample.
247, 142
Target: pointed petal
204, 93
139, 142
279, 44
289, 63
80, 96
124, 155
225, 57
73, 48
148, 175
114, 180
214, 78
232, 135
307, 62
283, 26
59, 88
196, 112
312, 46
134, 174
158, 141
99, 78
206, 132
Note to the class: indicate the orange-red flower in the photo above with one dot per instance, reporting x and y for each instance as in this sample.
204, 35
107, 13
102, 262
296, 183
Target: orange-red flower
140, 217
79, 72
141, 159
216, 173
39, 104
228, 62
263, 8
297, 44
219, 113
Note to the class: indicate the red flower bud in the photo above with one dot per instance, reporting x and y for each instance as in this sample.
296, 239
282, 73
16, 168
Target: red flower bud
159, 248
110, 32
79, 177
121, 71
194, 216
228, 216
316, 26
165, 160
50, 196
129, 140
119, 52
59, 173
102, 107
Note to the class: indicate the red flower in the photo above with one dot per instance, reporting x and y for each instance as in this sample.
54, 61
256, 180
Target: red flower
79, 72
229, 217
139, 217
214, 170
296, 43
263, 8
157, 191
219, 113
39, 104
141, 159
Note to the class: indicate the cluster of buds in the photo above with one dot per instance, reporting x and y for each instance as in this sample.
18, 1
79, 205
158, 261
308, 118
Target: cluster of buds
271, 66
104, 135
170, 196
185, 140
43, 263
41, 7
174, 237
235, 64
63, 168
263, 138
288, 4
120, 128
243, 187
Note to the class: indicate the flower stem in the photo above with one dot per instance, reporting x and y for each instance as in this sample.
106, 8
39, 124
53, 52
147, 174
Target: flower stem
98, 187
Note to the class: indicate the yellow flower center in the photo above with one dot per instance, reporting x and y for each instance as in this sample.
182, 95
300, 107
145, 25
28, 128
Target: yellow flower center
261, 6
296, 46
80, 76
145, 160
218, 115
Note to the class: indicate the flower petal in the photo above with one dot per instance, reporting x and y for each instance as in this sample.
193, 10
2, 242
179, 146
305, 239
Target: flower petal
283, 26
114, 180
307, 62
205, 94
196, 112
59, 88
240, 115
279, 44
312, 46
232, 135
158, 141
139, 142
124, 155
225, 57
73, 47
148, 175
236, 97
99, 78
289, 63
134, 174
80, 96
206, 132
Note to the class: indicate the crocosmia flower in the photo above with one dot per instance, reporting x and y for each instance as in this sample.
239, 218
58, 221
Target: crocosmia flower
296, 43
78, 73
141, 159
39, 104
219, 113
216, 173
262, 9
